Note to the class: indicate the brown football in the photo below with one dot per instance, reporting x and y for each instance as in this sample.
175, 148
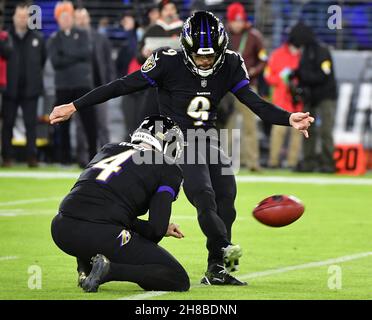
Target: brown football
278, 210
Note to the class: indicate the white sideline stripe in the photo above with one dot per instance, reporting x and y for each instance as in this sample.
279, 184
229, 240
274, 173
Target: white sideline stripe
8, 258
305, 180
265, 273
19, 213
243, 179
28, 201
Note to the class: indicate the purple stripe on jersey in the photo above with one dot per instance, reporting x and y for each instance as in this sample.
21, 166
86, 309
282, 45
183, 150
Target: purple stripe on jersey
201, 34
167, 189
209, 36
240, 84
151, 81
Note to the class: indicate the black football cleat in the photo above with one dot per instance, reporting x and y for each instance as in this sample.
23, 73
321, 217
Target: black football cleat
100, 268
231, 255
218, 276
81, 277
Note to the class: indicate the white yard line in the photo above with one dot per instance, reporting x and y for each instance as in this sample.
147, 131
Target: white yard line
244, 179
8, 258
305, 180
28, 212
259, 274
28, 201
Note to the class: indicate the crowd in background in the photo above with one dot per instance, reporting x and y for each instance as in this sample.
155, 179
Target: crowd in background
79, 57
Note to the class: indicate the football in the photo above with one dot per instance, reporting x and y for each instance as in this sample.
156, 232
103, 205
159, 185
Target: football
278, 210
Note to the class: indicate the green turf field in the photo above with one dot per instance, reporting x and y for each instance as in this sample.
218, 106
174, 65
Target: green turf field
327, 254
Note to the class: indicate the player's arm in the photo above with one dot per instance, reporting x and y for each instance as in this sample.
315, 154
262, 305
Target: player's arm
264, 109
273, 114
159, 214
149, 75
157, 226
119, 87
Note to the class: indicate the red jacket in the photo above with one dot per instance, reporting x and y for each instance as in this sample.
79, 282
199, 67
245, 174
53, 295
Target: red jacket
3, 64
280, 59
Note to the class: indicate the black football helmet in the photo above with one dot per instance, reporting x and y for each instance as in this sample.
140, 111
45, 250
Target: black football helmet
162, 133
203, 33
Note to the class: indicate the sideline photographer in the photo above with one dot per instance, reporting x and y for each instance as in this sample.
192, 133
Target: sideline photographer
316, 77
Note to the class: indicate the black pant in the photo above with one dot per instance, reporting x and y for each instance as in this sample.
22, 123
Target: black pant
62, 138
136, 107
138, 260
9, 111
212, 193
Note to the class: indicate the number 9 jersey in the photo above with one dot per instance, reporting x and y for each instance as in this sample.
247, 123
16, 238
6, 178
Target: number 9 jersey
188, 99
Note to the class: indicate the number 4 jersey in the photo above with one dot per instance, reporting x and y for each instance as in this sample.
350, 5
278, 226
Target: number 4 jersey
190, 100
116, 188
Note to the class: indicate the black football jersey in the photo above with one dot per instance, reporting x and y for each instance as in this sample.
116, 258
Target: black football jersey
190, 100
115, 188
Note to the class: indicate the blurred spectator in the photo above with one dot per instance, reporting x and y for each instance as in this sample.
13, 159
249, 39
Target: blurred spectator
103, 25
70, 51
129, 45
168, 26
279, 74
317, 79
139, 105
248, 41
103, 72
153, 14
25, 85
215, 6
5, 51
126, 63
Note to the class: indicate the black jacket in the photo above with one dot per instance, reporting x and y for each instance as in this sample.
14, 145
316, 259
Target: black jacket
103, 65
315, 71
316, 74
25, 65
71, 57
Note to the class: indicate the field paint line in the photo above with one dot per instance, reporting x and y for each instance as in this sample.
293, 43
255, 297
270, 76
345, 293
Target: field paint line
194, 217
305, 180
8, 258
259, 274
306, 265
36, 212
28, 201
244, 179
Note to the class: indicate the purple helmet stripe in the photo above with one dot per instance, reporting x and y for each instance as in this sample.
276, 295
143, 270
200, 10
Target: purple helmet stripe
209, 36
201, 34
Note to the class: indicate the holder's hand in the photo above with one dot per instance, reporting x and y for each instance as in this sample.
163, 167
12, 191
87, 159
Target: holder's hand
174, 231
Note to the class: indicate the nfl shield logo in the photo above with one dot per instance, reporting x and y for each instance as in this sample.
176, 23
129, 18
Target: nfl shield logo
203, 83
